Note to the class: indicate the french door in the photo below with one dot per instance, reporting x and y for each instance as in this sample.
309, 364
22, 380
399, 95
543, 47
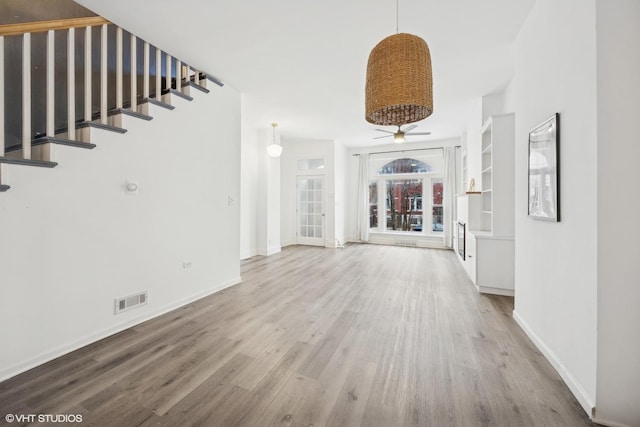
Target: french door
310, 210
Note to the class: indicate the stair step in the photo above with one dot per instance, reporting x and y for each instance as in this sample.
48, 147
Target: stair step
131, 113
158, 103
101, 126
4, 188
27, 162
180, 94
214, 80
62, 141
195, 86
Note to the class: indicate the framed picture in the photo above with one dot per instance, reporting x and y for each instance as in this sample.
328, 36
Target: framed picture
544, 182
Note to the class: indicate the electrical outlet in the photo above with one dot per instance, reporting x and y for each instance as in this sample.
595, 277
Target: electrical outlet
186, 264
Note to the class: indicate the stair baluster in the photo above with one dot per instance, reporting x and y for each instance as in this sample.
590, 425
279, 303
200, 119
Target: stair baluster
51, 88
158, 75
168, 72
71, 84
119, 67
87, 75
134, 73
1, 100
145, 72
103, 75
26, 96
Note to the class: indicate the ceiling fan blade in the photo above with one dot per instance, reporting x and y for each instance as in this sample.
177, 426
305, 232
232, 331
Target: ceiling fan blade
418, 133
409, 128
384, 136
385, 131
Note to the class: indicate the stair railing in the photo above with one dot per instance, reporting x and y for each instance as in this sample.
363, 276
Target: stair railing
163, 84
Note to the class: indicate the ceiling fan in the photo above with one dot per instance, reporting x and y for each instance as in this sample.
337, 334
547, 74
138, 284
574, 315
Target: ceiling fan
401, 133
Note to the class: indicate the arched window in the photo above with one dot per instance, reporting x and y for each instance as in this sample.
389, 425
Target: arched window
405, 193
405, 166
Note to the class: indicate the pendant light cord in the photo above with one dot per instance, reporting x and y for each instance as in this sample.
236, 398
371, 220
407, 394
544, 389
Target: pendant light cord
397, 12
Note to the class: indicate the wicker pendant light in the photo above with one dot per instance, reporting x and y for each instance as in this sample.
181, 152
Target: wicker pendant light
399, 87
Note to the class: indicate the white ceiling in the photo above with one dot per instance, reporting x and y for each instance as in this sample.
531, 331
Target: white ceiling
302, 63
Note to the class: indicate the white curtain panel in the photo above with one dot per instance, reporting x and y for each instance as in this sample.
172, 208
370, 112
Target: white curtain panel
362, 207
448, 198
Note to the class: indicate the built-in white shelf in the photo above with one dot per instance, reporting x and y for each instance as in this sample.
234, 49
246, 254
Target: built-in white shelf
489, 216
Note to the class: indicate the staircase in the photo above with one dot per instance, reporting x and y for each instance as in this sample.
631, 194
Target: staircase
105, 73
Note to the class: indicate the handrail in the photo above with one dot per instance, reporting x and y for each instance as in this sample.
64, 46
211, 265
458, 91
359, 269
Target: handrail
58, 24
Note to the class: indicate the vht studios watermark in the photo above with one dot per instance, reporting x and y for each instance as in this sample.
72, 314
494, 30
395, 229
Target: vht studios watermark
43, 418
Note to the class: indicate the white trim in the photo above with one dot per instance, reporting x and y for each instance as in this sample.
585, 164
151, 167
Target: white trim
608, 423
248, 254
555, 361
91, 338
271, 250
494, 291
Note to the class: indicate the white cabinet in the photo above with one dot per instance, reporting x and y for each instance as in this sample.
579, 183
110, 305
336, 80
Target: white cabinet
492, 260
489, 217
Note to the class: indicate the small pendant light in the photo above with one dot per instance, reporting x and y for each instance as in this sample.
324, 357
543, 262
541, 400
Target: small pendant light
274, 149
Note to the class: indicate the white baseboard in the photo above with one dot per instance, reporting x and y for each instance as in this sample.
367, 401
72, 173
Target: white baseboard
248, 254
63, 349
575, 387
496, 291
287, 243
608, 423
269, 251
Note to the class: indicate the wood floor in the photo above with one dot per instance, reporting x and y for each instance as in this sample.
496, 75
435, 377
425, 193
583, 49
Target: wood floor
362, 336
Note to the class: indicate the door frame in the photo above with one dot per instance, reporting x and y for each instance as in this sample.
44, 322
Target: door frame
311, 241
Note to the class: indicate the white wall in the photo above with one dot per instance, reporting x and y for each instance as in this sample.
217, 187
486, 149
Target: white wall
555, 263
73, 240
248, 185
618, 92
340, 199
509, 97
473, 146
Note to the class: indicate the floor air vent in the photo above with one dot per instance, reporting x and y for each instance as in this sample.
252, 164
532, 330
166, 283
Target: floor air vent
132, 301
406, 242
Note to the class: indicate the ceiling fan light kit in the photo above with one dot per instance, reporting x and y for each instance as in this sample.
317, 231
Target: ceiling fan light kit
399, 84
399, 136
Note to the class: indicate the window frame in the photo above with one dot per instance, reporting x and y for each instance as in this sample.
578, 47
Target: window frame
427, 179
